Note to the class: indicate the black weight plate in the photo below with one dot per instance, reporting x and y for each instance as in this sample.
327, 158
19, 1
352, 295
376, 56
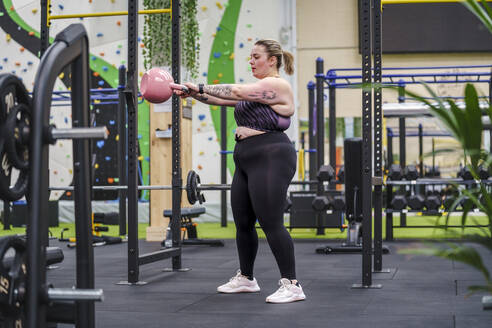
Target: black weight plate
12, 277
11, 190
191, 185
12, 93
199, 194
16, 140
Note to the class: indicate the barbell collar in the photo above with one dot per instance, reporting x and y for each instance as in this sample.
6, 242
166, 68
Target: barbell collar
72, 294
100, 132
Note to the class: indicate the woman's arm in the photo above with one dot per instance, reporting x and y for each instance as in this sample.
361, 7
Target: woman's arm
271, 91
211, 100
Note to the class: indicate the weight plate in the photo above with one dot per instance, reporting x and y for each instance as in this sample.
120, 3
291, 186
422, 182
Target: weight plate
12, 278
13, 183
191, 185
17, 136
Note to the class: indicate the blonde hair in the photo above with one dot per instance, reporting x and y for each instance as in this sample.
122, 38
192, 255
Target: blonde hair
273, 48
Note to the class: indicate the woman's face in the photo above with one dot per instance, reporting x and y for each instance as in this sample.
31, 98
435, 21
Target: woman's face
261, 65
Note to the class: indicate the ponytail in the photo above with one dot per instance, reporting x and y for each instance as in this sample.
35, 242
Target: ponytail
288, 62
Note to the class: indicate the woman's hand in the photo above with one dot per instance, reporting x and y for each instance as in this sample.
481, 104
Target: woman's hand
179, 90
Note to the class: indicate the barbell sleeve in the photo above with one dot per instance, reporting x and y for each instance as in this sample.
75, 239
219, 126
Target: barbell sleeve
72, 294
100, 132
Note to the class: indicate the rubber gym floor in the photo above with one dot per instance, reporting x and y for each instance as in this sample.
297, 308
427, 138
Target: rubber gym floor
419, 291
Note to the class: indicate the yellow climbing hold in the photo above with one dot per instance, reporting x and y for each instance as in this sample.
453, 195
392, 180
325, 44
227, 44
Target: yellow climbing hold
220, 75
35, 10
231, 57
219, 5
204, 8
8, 37
62, 75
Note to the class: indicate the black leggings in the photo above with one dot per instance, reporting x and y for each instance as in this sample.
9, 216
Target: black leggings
265, 165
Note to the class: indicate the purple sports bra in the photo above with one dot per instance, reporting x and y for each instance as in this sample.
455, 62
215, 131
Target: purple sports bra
260, 117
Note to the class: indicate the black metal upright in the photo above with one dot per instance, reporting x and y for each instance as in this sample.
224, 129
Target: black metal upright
320, 132
378, 142
44, 28
83, 184
131, 96
312, 133
365, 17
70, 47
332, 123
421, 151
389, 189
6, 215
176, 137
122, 147
223, 165
402, 139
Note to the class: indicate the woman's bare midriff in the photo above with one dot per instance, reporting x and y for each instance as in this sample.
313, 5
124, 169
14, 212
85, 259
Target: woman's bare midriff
243, 132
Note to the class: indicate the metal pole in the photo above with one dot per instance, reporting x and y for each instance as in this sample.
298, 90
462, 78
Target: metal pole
223, 165
82, 186
122, 160
176, 136
365, 15
312, 132
421, 151
320, 126
389, 189
402, 140
378, 142
332, 123
6, 215
45, 28
131, 92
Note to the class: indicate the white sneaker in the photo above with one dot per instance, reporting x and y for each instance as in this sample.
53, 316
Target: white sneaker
287, 293
239, 284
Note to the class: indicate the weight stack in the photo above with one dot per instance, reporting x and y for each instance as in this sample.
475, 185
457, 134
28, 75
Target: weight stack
353, 178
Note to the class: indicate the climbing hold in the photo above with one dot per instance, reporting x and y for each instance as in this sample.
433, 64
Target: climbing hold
99, 35
8, 37
219, 5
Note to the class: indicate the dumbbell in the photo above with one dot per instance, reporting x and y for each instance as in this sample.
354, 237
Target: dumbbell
416, 202
326, 173
483, 172
432, 202
157, 85
398, 202
465, 173
411, 172
323, 203
431, 172
338, 203
395, 172
320, 203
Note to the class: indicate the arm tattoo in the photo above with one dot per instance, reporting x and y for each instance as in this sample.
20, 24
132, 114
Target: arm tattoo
222, 90
265, 95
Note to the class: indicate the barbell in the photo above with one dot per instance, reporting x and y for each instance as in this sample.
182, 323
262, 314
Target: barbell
193, 187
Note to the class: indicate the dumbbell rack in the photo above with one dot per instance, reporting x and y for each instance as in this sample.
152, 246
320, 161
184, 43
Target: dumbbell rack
440, 212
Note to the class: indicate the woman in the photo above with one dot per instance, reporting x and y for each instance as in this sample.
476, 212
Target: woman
265, 164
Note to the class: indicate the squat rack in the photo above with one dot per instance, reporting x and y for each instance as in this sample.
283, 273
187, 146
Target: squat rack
130, 95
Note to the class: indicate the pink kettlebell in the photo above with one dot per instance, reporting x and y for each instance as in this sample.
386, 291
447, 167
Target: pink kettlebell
157, 85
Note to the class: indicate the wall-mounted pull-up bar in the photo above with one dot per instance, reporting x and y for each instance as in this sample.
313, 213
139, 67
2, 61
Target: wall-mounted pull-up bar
103, 14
